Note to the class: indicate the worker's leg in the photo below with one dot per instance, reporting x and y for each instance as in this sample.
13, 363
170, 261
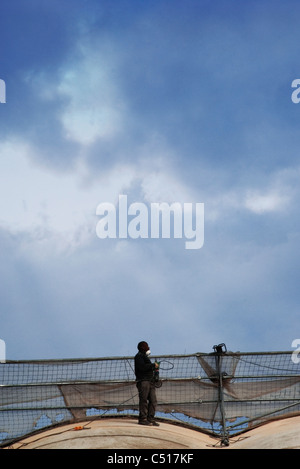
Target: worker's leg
143, 388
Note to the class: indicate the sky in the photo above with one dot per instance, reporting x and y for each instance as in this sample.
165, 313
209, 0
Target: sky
165, 102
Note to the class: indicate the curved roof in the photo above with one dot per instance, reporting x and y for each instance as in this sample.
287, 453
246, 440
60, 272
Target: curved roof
125, 433
116, 433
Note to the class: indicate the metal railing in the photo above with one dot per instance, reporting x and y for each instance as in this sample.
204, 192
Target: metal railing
223, 393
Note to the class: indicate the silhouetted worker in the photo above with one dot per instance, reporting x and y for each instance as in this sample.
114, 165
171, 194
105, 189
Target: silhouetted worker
144, 372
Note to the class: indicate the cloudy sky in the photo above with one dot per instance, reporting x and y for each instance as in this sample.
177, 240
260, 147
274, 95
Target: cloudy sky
163, 101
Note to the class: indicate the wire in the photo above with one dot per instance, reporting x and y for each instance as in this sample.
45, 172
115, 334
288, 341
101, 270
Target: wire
166, 369
263, 365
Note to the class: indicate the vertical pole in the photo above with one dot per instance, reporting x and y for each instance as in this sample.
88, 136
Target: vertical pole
219, 352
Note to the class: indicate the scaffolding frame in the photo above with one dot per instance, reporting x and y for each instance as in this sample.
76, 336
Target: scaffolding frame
221, 393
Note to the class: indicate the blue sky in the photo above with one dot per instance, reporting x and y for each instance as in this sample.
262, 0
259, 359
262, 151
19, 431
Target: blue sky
164, 101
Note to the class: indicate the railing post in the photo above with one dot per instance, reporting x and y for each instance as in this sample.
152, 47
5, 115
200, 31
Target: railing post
219, 351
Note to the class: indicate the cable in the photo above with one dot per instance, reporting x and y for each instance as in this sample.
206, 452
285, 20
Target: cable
166, 369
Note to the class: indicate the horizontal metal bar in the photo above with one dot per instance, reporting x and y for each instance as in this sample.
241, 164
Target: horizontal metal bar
91, 359
95, 359
115, 405
91, 406
258, 377
72, 383
250, 377
286, 399
65, 383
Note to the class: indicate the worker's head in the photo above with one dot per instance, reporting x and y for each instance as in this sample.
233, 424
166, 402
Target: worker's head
143, 347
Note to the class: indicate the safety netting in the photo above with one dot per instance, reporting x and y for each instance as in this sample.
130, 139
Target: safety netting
223, 393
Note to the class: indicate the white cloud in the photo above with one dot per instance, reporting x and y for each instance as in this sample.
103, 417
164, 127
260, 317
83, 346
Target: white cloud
277, 195
274, 194
51, 204
59, 209
94, 109
259, 202
163, 186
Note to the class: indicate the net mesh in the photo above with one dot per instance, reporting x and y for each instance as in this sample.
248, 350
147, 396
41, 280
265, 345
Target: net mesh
221, 393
